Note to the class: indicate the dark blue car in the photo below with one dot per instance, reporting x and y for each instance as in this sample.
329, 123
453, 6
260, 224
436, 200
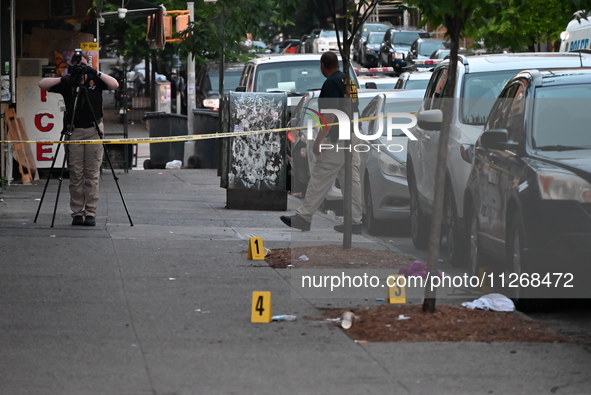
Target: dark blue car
528, 197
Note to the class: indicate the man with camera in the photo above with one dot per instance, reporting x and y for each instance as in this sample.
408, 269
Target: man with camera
84, 87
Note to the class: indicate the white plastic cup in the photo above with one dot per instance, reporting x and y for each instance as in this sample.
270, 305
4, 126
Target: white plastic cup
347, 320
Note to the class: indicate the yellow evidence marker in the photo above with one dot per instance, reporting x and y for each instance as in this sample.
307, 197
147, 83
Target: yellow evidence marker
255, 248
396, 292
261, 307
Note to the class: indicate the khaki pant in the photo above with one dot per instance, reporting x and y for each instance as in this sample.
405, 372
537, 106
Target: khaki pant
329, 166
84, 165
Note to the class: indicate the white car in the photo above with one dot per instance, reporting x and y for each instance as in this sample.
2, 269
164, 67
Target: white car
326, 41
295, 74
305, 112
413, 80
383, 160
479, 81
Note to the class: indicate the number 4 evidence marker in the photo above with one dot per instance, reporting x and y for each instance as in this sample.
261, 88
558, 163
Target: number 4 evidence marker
261, 307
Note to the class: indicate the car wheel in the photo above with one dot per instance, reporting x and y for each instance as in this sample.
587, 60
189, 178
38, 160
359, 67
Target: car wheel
515, 258
419, 224
148, 164
370, 221
455, 245
476, 254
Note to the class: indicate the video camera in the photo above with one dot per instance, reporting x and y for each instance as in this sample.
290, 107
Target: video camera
78, 69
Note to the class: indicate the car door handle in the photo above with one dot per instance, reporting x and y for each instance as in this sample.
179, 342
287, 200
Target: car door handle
426, 137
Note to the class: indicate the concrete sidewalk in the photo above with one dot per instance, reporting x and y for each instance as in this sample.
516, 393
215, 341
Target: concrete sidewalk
163, 307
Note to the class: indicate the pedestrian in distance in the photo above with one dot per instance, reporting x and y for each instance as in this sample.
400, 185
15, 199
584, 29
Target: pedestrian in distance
84, 86
330, 162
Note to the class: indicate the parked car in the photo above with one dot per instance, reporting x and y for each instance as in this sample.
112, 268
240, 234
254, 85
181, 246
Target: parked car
383, 160
326, 40
304, 112
258, 47
379, 81
422, 49
528, 196
307, 41
361, 36
207, 82
479, 82
394, 49
370, 49
413, 80
440, 54
295, 74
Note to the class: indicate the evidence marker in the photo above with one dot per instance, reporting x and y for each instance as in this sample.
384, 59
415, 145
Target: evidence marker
256, 251
396, 292
261, 307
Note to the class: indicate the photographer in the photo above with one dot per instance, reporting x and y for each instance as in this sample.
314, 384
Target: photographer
84, 160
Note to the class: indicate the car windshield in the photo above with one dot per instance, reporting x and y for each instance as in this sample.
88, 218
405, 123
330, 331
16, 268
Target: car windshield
407, 38
416, 84
428, 47
328, 33
479, 93
231, 80
296, 77
561, 118
376, 38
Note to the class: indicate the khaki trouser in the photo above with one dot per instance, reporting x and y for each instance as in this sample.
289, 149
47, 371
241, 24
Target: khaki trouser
329, 166
84, 164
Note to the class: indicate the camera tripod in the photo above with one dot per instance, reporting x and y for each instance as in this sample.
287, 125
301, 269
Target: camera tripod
67, 133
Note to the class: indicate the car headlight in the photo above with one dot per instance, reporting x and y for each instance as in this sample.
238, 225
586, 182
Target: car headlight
321, 42
211, 103
391, 166
563, 186
399, 55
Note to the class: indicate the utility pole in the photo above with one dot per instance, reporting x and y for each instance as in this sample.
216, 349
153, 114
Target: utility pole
191, 104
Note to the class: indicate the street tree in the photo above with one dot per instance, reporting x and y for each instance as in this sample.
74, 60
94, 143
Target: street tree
458, 17
349, 16
519, 25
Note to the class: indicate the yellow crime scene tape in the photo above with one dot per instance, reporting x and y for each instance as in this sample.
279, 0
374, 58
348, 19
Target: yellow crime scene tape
167, 139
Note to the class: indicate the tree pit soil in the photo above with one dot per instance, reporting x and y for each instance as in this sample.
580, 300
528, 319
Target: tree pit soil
408, 323
333, 256
387, 323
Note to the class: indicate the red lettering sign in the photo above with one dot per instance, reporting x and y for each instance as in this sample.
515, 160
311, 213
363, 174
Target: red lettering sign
44, 152
39, 123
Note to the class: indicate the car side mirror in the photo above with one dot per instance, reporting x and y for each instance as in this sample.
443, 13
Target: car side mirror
495, 139
240, 89
371, 85
430, 119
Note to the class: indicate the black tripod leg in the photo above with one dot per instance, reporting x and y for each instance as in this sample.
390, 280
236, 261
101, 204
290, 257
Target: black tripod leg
59, 186
48, 177
117, 182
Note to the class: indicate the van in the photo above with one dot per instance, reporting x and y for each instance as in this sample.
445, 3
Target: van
577, 35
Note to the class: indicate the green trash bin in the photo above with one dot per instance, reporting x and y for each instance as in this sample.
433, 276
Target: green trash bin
162, 124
